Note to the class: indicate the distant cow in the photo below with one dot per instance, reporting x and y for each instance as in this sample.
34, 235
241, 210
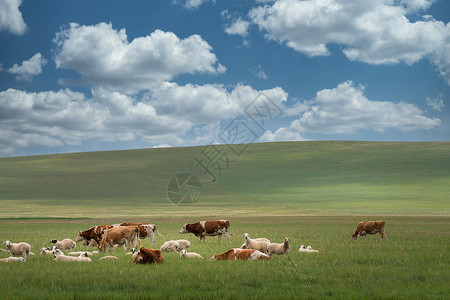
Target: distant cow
148, 256
145, 230
244, 254
369, 227
93, 236
208, 228
122, 235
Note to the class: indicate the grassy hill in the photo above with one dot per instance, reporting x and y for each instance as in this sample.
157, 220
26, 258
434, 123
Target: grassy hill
292, 178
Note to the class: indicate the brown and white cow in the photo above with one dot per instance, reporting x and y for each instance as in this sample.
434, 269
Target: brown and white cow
148, 256
145, 230
244, 254
369, 227
92, 236
121, 235
208, 228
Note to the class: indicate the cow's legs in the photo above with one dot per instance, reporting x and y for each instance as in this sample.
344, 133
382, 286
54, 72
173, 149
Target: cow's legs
200, 237
219, 237
383, 234
228, 237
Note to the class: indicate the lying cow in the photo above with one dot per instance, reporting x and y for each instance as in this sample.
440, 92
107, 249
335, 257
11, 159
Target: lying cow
92, 236
369, 227
145, 230
148, 256
244, 254
208, 228
122, 235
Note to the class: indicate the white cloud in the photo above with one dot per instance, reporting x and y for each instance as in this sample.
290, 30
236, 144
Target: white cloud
239, 27
162, 116
282, 134
259, 72
412, 6
11, 17
28, 68
375, 32
345, 109
436, 103
193, 4
104, 57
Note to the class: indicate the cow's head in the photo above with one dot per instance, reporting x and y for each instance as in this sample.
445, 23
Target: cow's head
79, 237
355, 236
184, 228
214, 257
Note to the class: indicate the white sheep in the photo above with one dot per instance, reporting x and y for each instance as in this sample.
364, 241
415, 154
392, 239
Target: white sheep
13, 259
132, 251
184, 244
46, 251
59, 256
21, 248
275, 248
308, 249
78, 253
258, 240
185, 254
254, 244
170, 246
109, 257
66, 244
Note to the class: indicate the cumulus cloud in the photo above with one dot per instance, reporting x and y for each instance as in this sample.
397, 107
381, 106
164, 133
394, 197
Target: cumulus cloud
162, 116
239, 27
11, 17
193, 4
375, 32
436, 103
345, 109
28, 68
104, 57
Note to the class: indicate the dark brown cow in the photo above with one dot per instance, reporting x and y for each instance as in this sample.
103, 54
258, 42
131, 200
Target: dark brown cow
145, 230
208, 228
148, 256
93, 235
244, 254
369, 227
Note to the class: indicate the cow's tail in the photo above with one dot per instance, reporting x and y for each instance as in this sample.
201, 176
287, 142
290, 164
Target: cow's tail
228, 228
158, 232
136, 236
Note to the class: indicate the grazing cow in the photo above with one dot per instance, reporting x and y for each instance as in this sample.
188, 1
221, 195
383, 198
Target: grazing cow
145, 230
369, 227
244, 254
93, 235
208, 228
122, 235
148, 256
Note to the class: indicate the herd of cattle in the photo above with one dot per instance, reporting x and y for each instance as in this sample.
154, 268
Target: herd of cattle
129, 235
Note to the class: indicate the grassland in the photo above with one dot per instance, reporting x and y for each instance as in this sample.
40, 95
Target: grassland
313, 192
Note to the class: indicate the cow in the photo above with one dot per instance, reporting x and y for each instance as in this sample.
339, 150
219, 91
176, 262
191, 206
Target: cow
244, 254
148, 256
369, 227
145, 230
121, 235
208, 228
92, 236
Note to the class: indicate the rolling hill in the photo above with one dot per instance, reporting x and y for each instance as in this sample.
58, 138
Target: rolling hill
290, 178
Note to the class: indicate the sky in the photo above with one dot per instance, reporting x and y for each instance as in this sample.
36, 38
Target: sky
82, 75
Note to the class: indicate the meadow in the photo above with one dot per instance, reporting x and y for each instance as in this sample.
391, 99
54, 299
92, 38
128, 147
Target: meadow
315, 193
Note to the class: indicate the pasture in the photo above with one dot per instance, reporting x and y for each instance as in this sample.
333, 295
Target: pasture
315, 193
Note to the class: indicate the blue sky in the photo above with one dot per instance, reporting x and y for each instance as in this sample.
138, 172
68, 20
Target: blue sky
109, 75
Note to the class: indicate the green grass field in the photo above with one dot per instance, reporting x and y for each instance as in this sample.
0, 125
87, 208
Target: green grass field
313, 192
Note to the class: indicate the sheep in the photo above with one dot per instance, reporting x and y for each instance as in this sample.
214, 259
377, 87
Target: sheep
66, 244
279, 249
170, 246
21, 248
13, 259
132, 251
46, 251
253, 244
109, 257
184, 244
78, 253
258, 240
308, 249
185, 254
59, 256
